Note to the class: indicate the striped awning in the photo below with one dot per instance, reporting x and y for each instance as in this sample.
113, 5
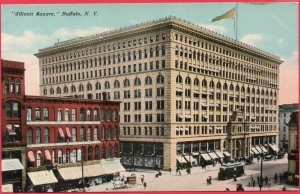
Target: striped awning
213, 155
68, 132
254, 150
11, 164
206, 157
61, 132
31, 156
219, 154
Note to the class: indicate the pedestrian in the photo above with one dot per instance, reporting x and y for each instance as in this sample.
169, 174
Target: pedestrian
257, 179
179, 172
284, 188
176, 171
142, 179
280, 178
145, 185
269, 184
253, 184
275, 177
266, 180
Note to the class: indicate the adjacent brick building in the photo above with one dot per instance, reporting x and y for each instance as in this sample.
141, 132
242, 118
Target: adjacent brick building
53, 135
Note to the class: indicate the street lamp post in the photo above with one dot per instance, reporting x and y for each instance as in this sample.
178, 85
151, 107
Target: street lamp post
261, 170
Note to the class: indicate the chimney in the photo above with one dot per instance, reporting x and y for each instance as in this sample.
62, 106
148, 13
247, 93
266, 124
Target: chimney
104, 95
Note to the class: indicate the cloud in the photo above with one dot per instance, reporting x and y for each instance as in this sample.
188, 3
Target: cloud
215, 28
22, 47
281, 41
253, 39
289, 82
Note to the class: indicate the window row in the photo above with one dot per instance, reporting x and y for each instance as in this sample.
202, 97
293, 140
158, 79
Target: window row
38, 135
72, 114
12, 86
157, 131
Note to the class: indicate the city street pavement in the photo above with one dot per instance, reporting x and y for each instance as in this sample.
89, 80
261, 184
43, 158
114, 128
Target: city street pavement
196, 181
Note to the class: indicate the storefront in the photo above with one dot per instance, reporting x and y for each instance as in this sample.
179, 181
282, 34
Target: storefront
41, 181
142, 155
12, 174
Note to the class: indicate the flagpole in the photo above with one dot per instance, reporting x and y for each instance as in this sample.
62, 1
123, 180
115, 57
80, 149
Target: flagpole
236, 23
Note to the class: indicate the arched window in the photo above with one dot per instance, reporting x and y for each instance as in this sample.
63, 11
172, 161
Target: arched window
74, 134
248, 90
83, 153
106, 85
160, 79
97, 152
242, 89
45, 91
231, 87
38, 135
39, 158
178, 79
116, 149
60, 156
96, 117
46, 135
204, 83
110, 154
253, 91
109, 115
196, 82
58, 90
271, 93
89, 87
126, 83
59, 115
137, 81
29, 136
89, 114
211, 84
148, 80
257, 91
6, 86
51, 91
103, 155
103, 134
89, 134
219, 86
188, 80
12, 86
66, 89
237, 88
82, 115
262, 92
67, 114
109, 133
225, 87
116, 84
68, 156
163, 50
98, 86
81, 88
102, 112
95, 134
115, 136
90, 153
75, 155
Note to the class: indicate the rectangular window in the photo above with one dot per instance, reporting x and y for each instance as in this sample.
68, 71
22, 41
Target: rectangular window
37, 114
82, 134
95, 134
46, 114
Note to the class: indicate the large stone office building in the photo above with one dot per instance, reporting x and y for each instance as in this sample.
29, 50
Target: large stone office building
179, 85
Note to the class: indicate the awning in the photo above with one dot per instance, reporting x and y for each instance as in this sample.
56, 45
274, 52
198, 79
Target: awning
213, 155
181, 159
178, 90
226, 154
259, 149
196, 92
61, 133
264, 149
11, 164
112, 166
48, 155
254, 150
10, 130
31, 156
71, 173
68, 132
274, 147
187, 158
206, 157
219, 154
93, 170
8, 188
42, 177
251, 152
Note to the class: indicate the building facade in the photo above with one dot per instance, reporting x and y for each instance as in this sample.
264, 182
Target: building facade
54, 137
179, 85
285, 111
13, 141
293, 149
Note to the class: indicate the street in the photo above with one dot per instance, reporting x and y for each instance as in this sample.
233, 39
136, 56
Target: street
196, 181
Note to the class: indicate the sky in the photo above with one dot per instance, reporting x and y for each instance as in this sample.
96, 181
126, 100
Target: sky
271, 27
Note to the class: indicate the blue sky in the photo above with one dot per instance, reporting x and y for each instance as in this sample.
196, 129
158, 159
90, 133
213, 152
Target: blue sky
270, 27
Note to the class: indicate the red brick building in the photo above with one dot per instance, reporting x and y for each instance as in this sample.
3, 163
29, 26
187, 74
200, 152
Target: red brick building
57, 134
